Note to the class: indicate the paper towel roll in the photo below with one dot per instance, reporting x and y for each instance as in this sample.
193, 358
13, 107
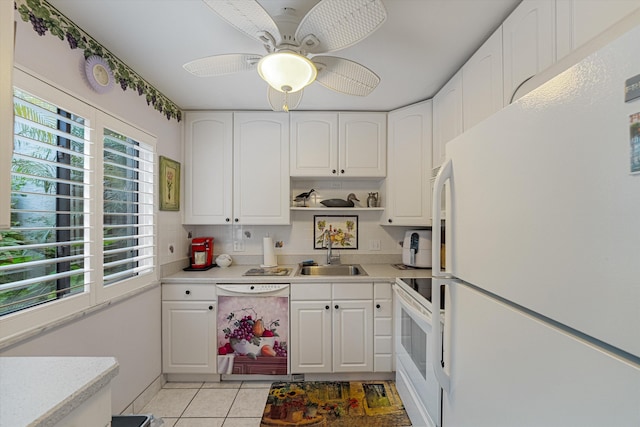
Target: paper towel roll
269, 253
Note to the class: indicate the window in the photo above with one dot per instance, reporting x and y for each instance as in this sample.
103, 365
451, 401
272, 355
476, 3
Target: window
127, 207
82, 209
42, 256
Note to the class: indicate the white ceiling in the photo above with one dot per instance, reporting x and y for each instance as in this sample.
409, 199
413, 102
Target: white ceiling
420, 46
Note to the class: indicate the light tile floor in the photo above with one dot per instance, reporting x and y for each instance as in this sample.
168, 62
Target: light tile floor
224, 404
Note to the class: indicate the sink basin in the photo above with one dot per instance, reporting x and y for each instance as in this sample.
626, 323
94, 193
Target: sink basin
332, 270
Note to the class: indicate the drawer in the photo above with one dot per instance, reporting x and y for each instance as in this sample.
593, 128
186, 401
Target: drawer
193, 292
383, 326
385, 309
382, 290
382, 345
383, 363
310, 291
342, 291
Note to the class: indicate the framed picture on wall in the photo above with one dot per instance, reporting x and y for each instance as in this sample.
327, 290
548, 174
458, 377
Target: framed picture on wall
343, 230
169, 183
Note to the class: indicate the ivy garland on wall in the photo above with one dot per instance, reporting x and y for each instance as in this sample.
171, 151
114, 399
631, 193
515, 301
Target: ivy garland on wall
44, 17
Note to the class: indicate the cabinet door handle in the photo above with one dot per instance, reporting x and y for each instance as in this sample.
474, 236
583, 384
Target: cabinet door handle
333, 171
188, 292
390, 220
227, 219
326, 307
236, 220
336, 306
341, 170
210, 307
378, 306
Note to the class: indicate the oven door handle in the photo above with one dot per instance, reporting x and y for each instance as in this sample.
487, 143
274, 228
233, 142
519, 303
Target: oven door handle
409, 304
443, 378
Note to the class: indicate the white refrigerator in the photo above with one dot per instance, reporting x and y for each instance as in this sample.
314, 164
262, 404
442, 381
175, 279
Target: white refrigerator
542, 316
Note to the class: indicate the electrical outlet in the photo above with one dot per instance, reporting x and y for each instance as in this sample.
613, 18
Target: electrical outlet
336, 184
374, 245
238, 246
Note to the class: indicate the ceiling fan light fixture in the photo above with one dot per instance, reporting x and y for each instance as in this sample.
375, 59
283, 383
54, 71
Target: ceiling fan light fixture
287, 71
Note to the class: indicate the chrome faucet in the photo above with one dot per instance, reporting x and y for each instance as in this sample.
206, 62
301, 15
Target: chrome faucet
326, 240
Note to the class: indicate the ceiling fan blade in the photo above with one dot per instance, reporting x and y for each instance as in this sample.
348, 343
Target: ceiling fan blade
281, 101
249, 17
336, 24
344, 76
219, 65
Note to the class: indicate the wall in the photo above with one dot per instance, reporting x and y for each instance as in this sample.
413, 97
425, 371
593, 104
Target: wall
130, 329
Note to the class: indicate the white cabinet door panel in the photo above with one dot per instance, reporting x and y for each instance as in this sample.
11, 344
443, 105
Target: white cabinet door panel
310, 346
353, 347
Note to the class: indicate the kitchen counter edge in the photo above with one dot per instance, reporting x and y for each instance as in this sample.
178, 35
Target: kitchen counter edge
234, 274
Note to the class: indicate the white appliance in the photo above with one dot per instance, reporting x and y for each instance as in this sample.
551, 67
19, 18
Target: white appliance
416, 248
542, 318
253, 329
415, 378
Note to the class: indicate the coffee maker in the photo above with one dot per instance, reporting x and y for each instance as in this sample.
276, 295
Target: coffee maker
201, 252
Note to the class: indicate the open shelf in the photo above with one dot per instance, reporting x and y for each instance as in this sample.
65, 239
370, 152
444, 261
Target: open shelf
318, 208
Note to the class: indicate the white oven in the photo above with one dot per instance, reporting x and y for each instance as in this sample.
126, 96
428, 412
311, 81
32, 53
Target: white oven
415, 379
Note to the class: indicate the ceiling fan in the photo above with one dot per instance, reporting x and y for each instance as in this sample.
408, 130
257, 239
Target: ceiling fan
292, 61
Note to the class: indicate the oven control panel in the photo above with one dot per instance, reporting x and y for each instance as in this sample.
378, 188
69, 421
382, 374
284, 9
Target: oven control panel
253, 288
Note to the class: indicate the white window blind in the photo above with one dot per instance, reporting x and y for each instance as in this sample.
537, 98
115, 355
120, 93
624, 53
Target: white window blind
44, 255
128, 219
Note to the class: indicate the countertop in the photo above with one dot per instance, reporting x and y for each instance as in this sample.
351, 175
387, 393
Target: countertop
234, 274
40, 391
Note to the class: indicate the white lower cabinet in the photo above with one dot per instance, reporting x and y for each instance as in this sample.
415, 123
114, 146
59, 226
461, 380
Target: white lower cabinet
331, 327
189, 329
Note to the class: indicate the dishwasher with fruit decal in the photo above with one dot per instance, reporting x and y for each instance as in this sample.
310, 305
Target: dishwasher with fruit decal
253, 330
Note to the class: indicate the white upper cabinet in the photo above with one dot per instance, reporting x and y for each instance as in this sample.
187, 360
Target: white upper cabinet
236, 168
208, 169
314, 143
362, 141
409, 161
529, 42
261, 168
447, 117
338, 144
578, 21
482, 82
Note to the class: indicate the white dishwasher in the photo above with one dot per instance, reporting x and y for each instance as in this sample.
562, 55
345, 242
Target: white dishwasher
253, 331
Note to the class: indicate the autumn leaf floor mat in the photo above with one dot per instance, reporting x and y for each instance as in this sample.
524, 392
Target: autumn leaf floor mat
334, 404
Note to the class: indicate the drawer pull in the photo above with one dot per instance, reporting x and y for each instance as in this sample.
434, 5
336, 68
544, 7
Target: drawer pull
188, 292
336, 306
326, 307
378, 305
210, 307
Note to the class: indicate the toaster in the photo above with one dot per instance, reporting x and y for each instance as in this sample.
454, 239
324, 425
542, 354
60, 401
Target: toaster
416, 248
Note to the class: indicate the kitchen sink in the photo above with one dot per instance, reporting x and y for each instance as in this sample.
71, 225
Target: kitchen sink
332, 270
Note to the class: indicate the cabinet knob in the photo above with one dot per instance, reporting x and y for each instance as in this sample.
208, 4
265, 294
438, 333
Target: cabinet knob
188, 292
210, 307
227, 219
377, 305
390, 220
326, 307
341, 170
333, 171
236, 219
252, 287
336, 306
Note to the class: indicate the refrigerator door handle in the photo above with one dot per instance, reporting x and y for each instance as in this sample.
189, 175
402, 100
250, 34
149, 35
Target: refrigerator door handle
438, 363
444, 174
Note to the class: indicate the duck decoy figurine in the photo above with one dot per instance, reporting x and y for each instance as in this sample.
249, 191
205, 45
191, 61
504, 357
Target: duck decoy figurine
303, 197
339, 203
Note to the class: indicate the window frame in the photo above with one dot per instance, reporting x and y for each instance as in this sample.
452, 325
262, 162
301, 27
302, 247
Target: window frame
19, 324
